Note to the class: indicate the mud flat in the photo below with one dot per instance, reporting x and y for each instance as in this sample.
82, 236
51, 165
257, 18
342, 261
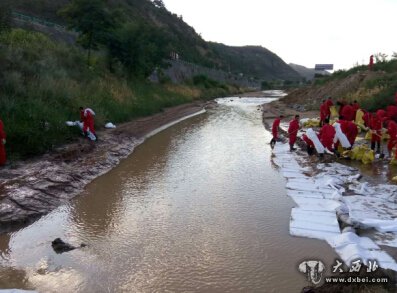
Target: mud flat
33, 188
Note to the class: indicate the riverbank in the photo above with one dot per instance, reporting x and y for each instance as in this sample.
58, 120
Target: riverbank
337, 201
30, 189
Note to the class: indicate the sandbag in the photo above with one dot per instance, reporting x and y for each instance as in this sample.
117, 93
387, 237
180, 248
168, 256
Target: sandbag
314, 138
311, 122
334, 112
394, 179
368, 135
368, 157
393, 162
359, 117
385, 134
341, 137
91, 136
358, 152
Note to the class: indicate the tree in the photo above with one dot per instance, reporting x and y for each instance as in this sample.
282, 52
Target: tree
92, 20
140, 47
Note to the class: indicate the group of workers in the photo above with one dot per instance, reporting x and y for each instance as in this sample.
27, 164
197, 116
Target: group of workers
86, 117
349, 114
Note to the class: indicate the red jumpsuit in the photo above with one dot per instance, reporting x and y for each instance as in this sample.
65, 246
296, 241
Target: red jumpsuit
356, 106
3, 135
327, 134
392, 112
351, 132
88, 122
328, 109
293, 131
275, 126
392, 131
348, 112
376, 127
324, 112
308, 141
367, 118
381, 114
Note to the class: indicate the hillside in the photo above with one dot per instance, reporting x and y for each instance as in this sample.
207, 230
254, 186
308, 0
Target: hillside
251, 61
303, 71
372, 89
256, 61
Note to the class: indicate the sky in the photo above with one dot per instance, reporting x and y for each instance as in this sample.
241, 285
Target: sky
306, 32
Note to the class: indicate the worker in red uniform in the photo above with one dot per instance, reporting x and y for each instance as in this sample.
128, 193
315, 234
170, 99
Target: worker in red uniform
376, 127
348, 112
324, 109
87, 117
392, 131
327, 134
371, 62
275, 127
367, 119
293, 132
391, 112
382, 115
341, 105
351, 132
329, 105
3, 137
309, 145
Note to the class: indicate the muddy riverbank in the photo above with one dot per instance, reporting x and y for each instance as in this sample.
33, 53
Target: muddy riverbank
30, 189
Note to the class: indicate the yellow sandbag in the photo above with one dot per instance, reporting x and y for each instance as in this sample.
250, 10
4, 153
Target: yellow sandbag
394, 179
368, 136
359, 117
340, 149
353, 153
393, 161
312, 123
334, 112
360, 152
385, 135
361, 127
347, 154
368, 157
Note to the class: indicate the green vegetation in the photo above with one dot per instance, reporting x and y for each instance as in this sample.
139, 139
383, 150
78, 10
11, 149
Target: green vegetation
177, 36
42, 84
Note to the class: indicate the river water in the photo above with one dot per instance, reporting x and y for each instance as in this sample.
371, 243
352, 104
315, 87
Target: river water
198, 207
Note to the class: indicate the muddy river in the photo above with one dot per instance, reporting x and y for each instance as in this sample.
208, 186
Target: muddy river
199, 207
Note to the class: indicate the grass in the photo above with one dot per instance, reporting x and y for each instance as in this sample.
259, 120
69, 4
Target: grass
43, 83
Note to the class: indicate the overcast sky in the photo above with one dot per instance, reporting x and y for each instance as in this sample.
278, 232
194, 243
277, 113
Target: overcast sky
305, 32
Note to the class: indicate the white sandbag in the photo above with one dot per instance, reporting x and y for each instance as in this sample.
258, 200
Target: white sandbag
75, 123
110, 125
340, 136
314, 138
89, 110
90, 135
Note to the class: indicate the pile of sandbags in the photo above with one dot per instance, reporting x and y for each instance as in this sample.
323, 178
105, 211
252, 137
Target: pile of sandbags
308, 123
362, 153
